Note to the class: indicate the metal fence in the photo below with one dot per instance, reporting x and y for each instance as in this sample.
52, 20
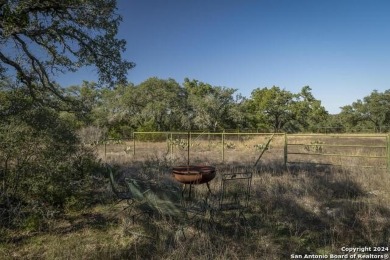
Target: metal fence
206, 146
368, 150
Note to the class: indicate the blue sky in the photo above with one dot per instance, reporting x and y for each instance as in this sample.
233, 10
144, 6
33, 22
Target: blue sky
341, 49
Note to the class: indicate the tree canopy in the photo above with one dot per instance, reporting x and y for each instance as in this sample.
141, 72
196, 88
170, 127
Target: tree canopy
371, 112
283, 110
43, 39
165, 105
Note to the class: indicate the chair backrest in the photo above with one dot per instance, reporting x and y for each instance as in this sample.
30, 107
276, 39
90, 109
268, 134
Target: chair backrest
235, 191
114, 185
135, 189
132, 189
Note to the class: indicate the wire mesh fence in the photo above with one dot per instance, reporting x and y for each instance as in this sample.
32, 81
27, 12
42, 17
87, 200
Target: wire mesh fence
195, 147
339, 150
368, 150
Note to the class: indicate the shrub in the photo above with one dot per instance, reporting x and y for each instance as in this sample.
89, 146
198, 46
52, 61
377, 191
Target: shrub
91, 134
151, 137
230, 145
43, 166
180, 143
315, 146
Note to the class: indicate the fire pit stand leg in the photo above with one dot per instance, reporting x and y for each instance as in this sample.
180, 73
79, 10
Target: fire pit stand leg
189, 196
208, 187
189, 192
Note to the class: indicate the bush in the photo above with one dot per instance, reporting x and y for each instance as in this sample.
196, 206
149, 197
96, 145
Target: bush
91, 135
315, 146
149, 137
43, 167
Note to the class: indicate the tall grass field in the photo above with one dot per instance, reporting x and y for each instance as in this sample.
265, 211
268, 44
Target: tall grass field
318, 204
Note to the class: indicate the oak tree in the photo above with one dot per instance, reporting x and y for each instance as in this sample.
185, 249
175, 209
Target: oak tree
40, 40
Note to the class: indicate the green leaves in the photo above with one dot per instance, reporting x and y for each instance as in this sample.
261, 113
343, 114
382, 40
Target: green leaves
274, 106
371, 112
282, 110
52, 37
42, 163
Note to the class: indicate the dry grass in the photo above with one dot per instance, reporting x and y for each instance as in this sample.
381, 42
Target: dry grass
301, 209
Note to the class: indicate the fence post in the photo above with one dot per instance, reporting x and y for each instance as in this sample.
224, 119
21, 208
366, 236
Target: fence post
171, 144
223, 146
168, 143
285, 150
189, 139
105, 150
188, 148
388, 152
133, 143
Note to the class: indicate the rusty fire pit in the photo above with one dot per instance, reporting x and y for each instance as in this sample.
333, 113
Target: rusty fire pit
193, 174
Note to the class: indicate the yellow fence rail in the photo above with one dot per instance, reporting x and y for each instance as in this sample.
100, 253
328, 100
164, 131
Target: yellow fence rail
192, 137
339, 150
361, 150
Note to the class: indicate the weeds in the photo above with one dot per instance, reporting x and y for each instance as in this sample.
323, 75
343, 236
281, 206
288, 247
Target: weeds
316, 146
307, 209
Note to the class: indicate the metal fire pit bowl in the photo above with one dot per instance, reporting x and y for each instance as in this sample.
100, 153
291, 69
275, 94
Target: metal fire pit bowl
193, 174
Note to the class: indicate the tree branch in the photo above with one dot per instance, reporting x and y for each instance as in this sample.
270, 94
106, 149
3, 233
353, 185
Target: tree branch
51, 36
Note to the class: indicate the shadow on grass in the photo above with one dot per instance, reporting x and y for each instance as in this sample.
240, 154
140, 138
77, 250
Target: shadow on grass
298, 210
306, 209
314, 208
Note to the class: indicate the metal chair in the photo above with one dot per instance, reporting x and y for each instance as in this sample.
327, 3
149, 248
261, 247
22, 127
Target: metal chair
132, 193
235, 192
121, 192
236, 188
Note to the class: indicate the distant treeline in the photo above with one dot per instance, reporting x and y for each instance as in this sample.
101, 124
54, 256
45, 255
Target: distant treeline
165, 105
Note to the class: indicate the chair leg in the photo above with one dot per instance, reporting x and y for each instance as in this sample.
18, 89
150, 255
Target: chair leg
130, 203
